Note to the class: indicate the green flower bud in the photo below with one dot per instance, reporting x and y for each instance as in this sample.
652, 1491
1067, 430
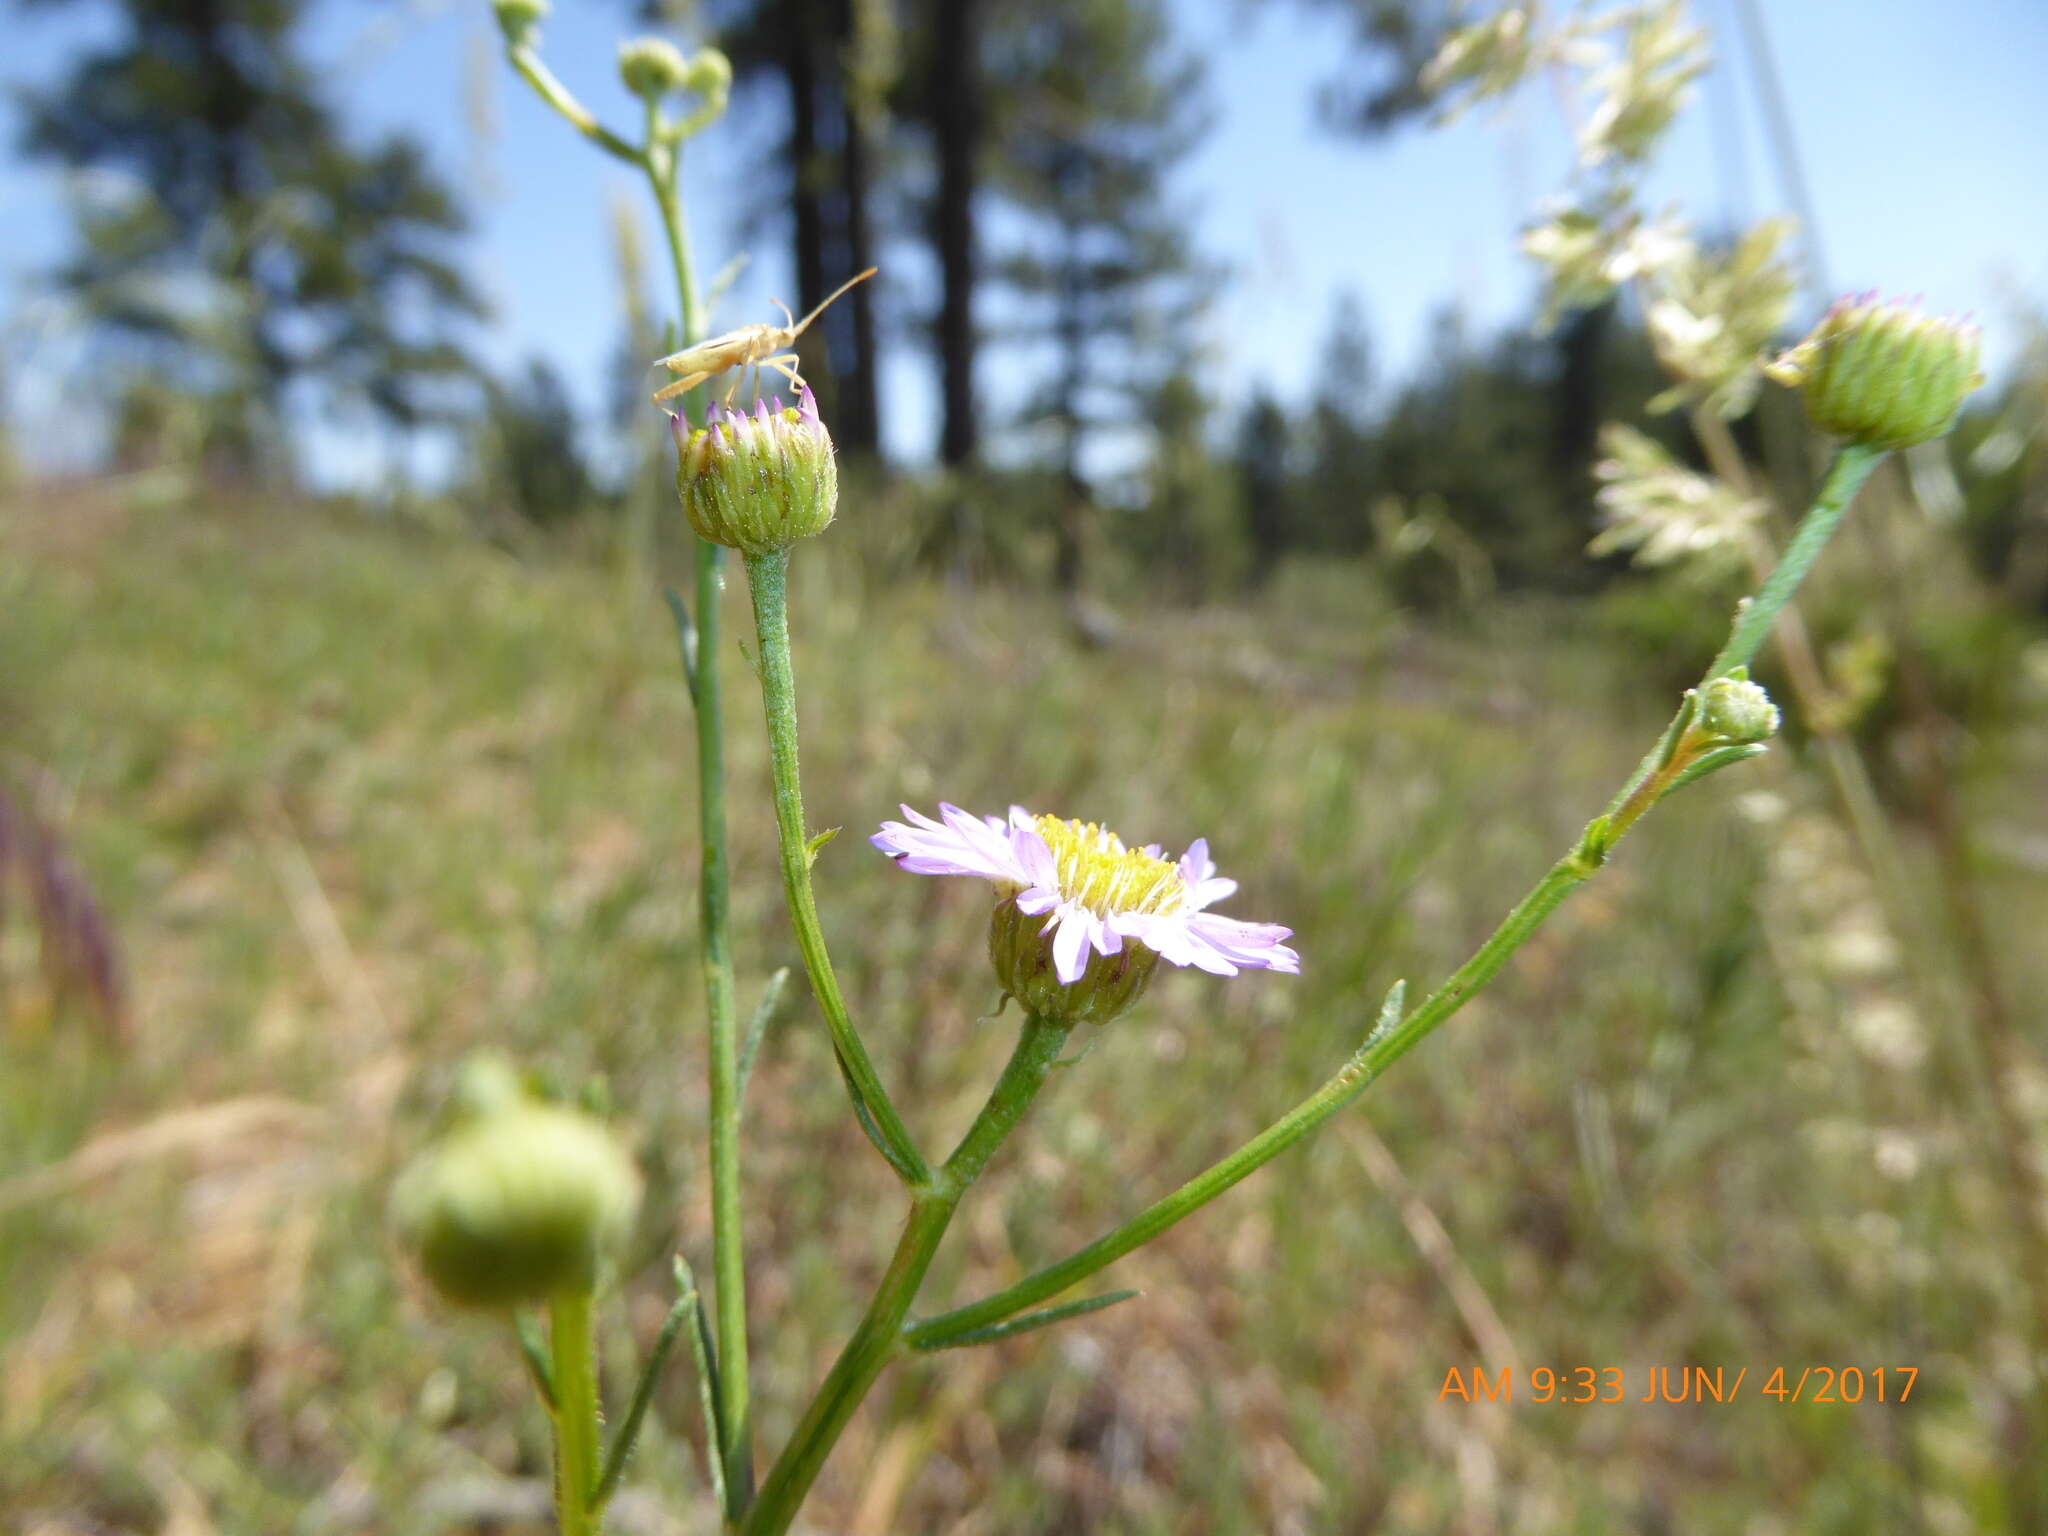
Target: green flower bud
757, 483
652, 67
1021, 951
710, 74
1883, 375
1733, 709
517, 1205
519, 20
487, 1084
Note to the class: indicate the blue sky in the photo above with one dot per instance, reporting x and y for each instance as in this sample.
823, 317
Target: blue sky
1924, 127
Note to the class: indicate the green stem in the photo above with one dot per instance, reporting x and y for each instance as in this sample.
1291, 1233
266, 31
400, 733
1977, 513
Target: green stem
660, 159
1851, 468
556, 95
768, 580
1357, 1075
576, 1413
728, 1251
1853, 464
880, 1336
662, 162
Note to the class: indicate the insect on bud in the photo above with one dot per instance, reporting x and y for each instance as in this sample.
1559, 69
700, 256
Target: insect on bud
1733, 709
519, 20
517, 1204
1022, 953
652, 67
757, 483
1883, 375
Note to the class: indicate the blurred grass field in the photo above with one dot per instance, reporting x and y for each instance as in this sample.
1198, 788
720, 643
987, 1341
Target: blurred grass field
359, 799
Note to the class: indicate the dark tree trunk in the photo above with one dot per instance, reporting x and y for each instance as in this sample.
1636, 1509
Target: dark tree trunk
859, 424
1070, 404
957, 126
807, 204
831, 167
1582, 347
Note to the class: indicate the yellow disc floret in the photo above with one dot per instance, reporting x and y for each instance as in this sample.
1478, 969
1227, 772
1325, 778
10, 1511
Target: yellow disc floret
1097, 870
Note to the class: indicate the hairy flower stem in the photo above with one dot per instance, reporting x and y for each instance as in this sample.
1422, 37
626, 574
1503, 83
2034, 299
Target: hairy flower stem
659, 157
1852, 466
768, 580
662, 161
1384, 1048
574, 1351
880, 1336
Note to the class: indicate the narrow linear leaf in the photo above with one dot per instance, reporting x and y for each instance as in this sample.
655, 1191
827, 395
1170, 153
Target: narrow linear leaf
719, 285
811, 848
1390, 1015
1082, 1054
764, 1014
686, 637
866, 1117
534, 1350
1688, 707
679, 1316
1714, 762
704, 1355
1596, 840
1029, 1323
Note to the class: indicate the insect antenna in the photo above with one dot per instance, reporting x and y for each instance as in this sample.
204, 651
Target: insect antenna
827, 301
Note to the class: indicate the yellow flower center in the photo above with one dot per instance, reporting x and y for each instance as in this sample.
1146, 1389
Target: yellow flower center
1097, 870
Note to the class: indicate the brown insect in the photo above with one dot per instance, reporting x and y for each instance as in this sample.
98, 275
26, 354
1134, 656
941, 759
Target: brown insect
758, 346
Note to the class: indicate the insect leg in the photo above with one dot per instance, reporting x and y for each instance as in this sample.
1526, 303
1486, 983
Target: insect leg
682, 386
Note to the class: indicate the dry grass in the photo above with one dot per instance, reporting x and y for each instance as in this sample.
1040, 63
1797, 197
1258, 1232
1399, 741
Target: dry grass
360, 800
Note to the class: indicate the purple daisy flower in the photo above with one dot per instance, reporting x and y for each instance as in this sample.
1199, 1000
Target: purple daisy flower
1093, 892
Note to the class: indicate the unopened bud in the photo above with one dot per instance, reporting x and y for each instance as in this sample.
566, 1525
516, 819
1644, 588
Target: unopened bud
519, 19
710, 74
516, 1205
1020, 949
757, 483
1883, 375
1735, 710
652, 67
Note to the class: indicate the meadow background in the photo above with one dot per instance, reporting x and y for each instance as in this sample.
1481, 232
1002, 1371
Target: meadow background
342, 733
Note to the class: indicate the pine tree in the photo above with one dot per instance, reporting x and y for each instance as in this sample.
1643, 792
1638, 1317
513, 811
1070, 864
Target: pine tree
833, 63
250, 246
1380, 87
1095, 108
529, 451
1265, 491
948, 90
1343, 461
